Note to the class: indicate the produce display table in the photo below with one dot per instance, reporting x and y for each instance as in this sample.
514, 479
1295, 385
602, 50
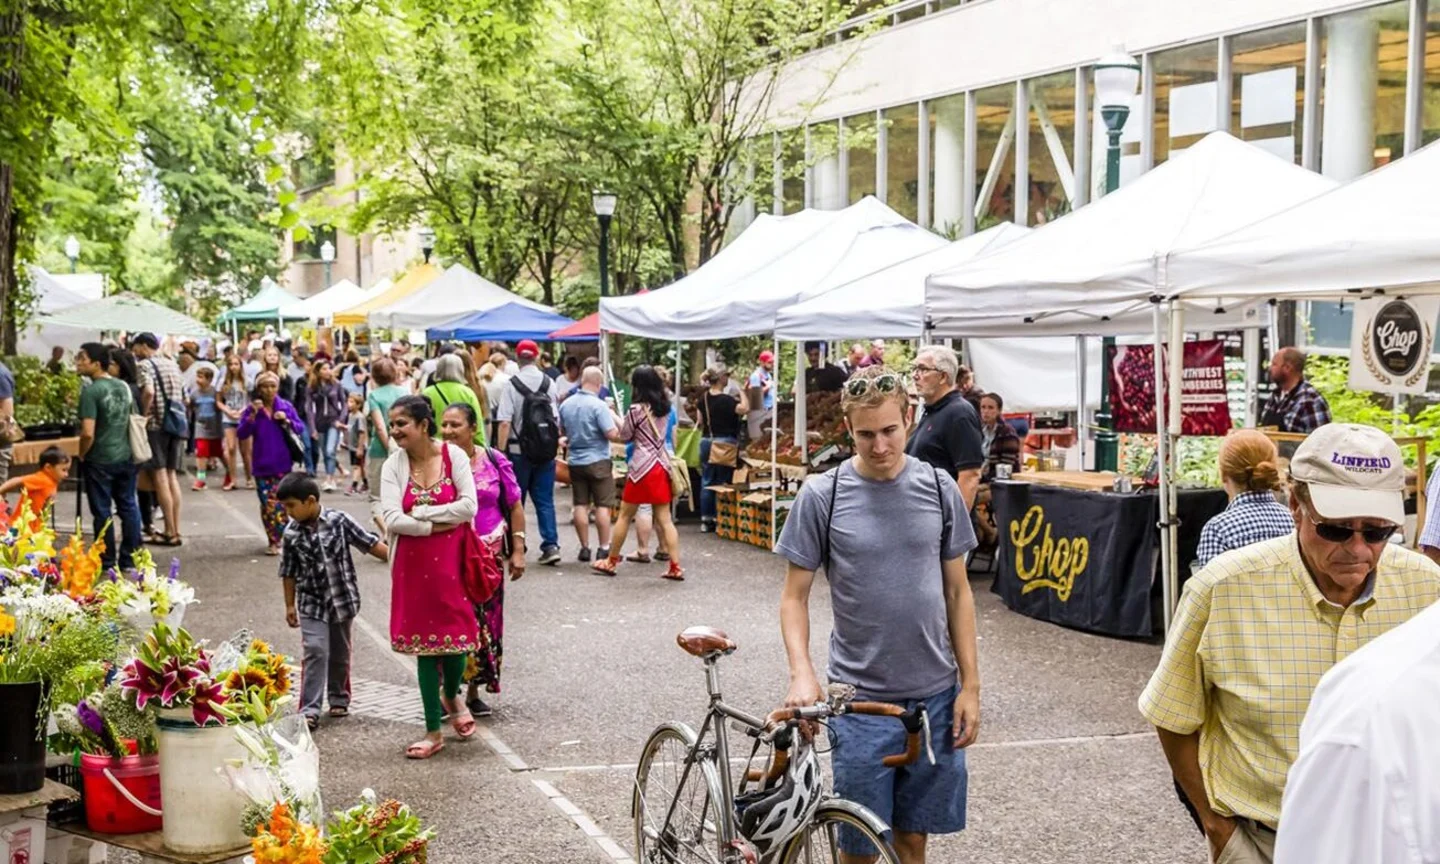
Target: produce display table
151, 848
1089, 481
1088, 559
28, 452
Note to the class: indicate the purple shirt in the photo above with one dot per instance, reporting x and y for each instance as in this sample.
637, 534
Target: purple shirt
488, 485
272, 457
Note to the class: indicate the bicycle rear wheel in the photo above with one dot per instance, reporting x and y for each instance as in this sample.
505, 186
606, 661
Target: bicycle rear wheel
676, 810
821, 841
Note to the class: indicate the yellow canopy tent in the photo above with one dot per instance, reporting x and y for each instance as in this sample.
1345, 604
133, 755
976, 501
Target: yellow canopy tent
403, 287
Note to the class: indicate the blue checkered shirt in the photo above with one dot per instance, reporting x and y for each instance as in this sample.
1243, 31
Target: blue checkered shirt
317, 556
1250, 518
1430, 533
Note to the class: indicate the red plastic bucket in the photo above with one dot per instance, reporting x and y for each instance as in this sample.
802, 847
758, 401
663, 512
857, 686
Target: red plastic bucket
122, 796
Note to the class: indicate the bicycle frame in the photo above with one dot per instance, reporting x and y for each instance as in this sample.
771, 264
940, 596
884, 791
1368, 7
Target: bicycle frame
715, 719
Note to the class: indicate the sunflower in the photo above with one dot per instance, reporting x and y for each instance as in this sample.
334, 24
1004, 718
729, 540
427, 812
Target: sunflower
7, 623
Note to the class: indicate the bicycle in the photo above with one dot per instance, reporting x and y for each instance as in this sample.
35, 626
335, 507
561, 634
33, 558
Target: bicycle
694, 818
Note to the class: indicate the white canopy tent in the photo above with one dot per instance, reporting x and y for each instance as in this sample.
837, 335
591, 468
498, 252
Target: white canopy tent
54, 295
341, 295
1116, 249
1379, 232
456, 294
888, 303
776, 262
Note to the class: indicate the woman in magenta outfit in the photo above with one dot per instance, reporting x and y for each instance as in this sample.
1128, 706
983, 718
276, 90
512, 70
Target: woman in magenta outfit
426, 492
500, 524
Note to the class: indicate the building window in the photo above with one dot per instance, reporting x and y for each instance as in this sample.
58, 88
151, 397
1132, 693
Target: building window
309, 248
1268, 89
947, 164
1052, 145
994, 168
762, 188
1363, 96
824, 161
315, 169
792, 161
902, 160
1430, 113
860, 156
1186, 94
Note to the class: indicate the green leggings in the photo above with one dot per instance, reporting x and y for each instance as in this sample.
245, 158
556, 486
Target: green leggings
431, 668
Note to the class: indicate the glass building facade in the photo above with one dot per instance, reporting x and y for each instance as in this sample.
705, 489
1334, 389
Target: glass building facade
1338, 93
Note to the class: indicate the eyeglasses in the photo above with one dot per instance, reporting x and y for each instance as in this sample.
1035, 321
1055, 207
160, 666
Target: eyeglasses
1331, 533
921, 367
858, 387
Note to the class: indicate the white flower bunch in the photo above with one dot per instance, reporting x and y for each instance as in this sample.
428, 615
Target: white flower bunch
31, 607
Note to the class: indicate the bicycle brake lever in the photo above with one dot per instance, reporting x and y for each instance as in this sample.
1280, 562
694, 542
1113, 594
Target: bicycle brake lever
929, 748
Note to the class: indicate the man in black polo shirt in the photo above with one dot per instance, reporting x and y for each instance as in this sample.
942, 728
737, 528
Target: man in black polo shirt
947, 435
821, 377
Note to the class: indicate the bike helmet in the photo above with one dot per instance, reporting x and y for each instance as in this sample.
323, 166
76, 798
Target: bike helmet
769, 817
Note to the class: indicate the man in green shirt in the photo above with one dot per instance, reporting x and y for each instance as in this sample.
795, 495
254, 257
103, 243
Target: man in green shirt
109, 466
377, 413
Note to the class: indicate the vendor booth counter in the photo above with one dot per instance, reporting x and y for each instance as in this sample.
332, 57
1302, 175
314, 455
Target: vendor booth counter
1072, 552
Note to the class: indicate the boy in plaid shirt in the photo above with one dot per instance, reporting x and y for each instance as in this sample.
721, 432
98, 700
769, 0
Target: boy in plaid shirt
322, 591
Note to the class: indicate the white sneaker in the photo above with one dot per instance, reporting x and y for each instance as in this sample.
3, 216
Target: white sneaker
328, 487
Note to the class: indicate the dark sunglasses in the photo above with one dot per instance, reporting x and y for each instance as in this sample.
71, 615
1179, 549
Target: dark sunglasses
858, 387
1341, 534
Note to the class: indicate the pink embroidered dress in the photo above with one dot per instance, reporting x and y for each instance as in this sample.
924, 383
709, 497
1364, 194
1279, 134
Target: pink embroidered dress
429, 612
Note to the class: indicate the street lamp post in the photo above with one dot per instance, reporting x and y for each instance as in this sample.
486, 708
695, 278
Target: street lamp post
604, 203
327, 255
1116, 78
72, 251
427, 243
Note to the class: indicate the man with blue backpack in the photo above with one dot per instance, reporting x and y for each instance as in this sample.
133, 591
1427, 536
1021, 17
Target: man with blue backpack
529, 435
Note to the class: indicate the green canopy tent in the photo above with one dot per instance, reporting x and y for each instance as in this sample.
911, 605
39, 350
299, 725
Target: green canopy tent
264, 306
129, 312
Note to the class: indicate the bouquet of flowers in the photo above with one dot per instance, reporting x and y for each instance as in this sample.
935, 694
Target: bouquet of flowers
105, 723
281, 765
79, 567
172, 670
25, 541
142, 601
259, 686
380, 833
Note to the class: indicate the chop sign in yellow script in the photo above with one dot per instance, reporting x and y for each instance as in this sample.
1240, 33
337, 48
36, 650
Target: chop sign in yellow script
1053, 563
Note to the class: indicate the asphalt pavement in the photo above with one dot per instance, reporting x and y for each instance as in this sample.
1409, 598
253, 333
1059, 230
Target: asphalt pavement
1066, 770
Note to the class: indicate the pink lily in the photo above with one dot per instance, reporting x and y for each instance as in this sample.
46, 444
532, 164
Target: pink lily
177, 679
143, 682
207, 703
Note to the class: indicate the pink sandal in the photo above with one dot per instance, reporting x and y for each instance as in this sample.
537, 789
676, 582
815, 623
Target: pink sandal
424, 749
464, 725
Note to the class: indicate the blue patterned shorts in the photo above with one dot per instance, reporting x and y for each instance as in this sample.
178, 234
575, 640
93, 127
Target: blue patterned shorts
919, 798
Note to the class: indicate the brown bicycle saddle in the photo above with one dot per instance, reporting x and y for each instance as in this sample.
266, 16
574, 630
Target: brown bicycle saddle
703, 641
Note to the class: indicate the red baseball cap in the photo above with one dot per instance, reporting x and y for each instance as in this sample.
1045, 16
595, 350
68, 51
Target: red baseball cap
527, 348
767, 357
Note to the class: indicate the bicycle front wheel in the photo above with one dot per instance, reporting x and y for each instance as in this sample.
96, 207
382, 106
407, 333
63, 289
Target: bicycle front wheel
676, 801
846, 829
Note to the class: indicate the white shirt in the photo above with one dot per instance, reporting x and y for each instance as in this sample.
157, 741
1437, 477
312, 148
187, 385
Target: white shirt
511, 401
1366, 786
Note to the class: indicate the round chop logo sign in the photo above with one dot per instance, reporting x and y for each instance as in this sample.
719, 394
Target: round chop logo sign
1397, 334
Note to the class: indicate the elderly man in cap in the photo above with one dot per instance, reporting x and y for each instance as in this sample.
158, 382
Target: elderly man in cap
1258, 627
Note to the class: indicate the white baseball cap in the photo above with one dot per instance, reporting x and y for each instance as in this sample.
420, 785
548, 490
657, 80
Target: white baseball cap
1352, 472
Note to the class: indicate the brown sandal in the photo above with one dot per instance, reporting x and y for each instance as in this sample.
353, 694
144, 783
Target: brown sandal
639, 557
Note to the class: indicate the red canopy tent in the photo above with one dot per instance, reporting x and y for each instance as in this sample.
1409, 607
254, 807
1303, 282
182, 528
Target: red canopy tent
587, 327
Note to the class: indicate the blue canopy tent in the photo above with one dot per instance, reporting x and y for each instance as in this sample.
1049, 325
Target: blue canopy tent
508, 323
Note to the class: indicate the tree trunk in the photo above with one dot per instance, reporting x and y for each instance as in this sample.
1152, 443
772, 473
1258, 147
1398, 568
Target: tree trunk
12, 34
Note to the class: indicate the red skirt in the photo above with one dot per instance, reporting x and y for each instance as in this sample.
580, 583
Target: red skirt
209, 448
653, 488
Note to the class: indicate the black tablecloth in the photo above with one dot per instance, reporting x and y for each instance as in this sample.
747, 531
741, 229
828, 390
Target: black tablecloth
1089, 560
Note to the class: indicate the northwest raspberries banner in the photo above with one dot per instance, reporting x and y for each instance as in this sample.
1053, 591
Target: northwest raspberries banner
1204, 406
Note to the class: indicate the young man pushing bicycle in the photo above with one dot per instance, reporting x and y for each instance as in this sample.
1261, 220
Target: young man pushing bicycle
891, 533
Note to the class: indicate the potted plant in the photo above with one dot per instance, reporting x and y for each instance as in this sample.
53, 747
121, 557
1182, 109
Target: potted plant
43, 637
46, 403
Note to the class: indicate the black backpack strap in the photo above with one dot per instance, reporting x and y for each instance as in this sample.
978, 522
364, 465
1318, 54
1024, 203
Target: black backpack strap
520, 385
830, 516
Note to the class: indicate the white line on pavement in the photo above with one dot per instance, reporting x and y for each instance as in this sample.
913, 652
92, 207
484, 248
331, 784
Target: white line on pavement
593, 832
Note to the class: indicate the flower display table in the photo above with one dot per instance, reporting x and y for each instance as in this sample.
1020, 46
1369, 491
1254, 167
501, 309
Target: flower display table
151, 847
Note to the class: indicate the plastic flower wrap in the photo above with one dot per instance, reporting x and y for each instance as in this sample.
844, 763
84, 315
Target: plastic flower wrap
282, 765
172, 670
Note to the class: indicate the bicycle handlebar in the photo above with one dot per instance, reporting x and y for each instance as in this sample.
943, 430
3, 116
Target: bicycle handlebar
913, 720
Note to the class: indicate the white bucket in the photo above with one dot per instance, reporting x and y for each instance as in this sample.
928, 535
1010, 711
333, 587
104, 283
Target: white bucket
202, 811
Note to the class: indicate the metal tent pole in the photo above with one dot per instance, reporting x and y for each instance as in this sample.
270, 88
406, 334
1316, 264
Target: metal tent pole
802, 420
1172, 528
774, 449
1161, 459
1081, 397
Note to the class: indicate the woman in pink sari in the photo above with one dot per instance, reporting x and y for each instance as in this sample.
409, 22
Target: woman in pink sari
500, 524
427, 491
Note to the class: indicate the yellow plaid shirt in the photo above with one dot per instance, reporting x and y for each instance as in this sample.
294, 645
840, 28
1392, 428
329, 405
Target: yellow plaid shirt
1250, 640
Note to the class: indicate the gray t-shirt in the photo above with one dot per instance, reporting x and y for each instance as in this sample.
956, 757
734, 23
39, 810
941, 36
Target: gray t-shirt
511, 401
887, 589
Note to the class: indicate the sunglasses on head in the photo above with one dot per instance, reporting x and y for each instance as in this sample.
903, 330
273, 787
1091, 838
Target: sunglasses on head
1341, 533
858, 387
